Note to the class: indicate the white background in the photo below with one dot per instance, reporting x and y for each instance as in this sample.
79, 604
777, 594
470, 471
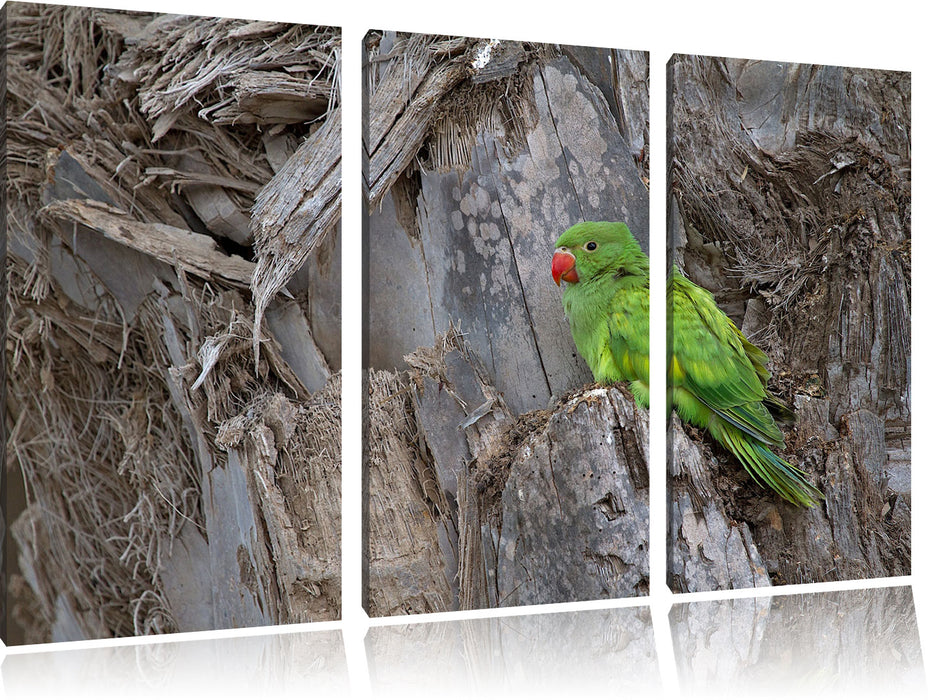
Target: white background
891, 35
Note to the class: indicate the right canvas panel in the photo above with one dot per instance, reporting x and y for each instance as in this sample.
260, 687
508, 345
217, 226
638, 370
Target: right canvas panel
788, 323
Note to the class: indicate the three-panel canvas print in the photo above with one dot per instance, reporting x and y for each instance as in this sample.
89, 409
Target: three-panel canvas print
172, 366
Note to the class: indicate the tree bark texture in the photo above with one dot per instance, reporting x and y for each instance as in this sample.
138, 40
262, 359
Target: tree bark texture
163, 473
479, 154
470, 241
470, 507
789, 200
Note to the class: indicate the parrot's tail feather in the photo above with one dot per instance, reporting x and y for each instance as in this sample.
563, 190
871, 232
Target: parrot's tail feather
769, 470
779, 410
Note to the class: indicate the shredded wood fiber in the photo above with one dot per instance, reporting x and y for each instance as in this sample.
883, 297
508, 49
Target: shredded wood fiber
139, 146
453, 90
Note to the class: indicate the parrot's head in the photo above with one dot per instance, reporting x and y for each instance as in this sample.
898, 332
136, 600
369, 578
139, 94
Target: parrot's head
594, 248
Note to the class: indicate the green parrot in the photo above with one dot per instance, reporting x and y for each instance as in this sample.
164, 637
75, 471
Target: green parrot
607, 301
716, 378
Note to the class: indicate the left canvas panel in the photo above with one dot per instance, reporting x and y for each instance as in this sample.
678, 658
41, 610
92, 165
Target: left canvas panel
172, 320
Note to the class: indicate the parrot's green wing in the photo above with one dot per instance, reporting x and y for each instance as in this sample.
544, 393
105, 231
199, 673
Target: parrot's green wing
717, 379
713, 361
629, 343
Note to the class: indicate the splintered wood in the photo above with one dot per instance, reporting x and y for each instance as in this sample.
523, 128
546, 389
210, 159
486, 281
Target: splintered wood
192, 252
294, 212
423, 94
170, 179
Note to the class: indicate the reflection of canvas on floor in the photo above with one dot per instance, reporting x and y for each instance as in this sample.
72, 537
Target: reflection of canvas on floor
755, 645
165, 472
790, 189
485, 488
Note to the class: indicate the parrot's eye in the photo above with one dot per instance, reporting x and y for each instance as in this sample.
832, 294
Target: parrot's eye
591, 245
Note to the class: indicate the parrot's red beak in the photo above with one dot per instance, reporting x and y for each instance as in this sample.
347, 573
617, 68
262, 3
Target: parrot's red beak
563, 267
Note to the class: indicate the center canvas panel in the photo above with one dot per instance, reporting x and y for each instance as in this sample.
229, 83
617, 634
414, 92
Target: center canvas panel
498, 472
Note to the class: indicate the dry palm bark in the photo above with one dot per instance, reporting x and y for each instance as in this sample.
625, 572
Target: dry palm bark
164, 472
484, 491
790, 201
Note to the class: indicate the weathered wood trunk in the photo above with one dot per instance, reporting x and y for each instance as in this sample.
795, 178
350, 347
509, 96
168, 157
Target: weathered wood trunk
473, 508
790, 201
485, 491
164, 475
